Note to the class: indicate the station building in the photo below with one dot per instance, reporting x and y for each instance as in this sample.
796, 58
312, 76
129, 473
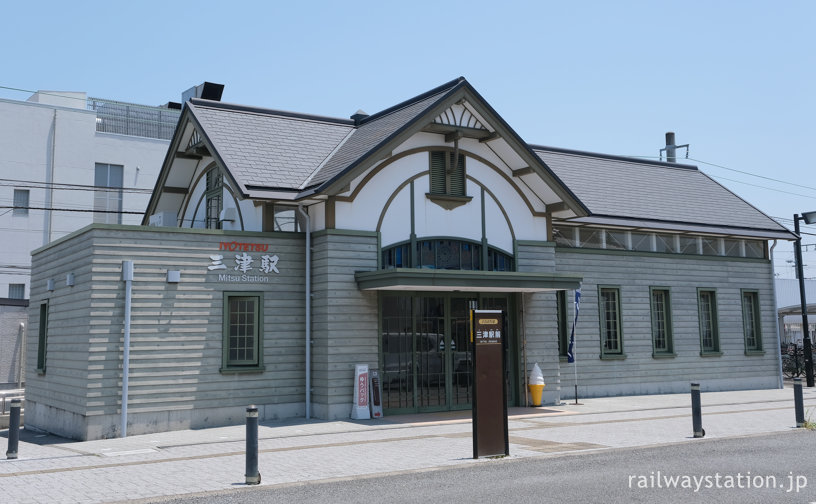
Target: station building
280, 249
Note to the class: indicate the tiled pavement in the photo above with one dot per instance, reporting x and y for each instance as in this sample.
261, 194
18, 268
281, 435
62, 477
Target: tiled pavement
55, 470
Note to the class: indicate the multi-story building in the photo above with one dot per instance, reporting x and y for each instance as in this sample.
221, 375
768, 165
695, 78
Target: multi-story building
67, 160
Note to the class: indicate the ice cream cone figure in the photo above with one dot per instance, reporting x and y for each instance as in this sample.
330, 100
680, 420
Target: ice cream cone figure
535, 393
536, 385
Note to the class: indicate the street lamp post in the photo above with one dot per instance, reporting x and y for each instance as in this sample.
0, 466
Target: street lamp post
809, 218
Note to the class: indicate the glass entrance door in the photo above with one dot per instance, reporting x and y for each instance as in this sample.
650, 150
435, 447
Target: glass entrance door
426, 350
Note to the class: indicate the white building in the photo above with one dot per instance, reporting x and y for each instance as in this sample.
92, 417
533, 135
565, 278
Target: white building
66, 161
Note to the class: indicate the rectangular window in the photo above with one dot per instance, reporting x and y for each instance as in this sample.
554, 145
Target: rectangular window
711, 246
285, 218
445, 178
689, 245
243, 332
662, 344
610, 313
16, 291
20, 202
108, 193
642, 242
42, 341
564, 236
665, 243
590, 237
561, 313
707, 309
750, 321
755, 249
214, 197
615, 240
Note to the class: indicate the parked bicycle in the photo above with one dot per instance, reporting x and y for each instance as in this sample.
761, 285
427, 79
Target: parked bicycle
793, 362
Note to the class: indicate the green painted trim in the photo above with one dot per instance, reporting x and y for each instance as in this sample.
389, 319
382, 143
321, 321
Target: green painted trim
715, 322
620, 356
535, 243
669, 321
418, 279
630, 253
412, 252
379, 250
157, 229
226, 368
757, 322
664, 355
604, 354
754, 353
344, 232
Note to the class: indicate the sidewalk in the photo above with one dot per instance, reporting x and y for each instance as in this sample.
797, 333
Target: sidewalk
55, 470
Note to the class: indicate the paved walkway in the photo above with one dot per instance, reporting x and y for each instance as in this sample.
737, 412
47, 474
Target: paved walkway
55, 470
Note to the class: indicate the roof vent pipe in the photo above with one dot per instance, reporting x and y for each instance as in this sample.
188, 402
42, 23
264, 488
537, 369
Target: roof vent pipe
671, 148
358, 117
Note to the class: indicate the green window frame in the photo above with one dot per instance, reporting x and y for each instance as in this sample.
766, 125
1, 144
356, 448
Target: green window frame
609, 311
242, 332
445, 179
751, 325
561, 316
214, 195
709, 325
42, 339
662, 336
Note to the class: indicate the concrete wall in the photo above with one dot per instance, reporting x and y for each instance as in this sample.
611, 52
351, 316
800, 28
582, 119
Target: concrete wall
176, 342
639, 372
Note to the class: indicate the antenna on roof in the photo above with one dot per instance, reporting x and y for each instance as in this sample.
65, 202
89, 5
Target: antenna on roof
671, 149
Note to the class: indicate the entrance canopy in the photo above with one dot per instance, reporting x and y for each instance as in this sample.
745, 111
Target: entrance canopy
413, 279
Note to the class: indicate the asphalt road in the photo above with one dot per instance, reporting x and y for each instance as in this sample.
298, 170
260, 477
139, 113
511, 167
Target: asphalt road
778, 468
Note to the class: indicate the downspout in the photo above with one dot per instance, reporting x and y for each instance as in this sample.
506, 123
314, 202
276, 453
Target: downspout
22, 355
49, 180
524, 352
127, 276
308, 283
781, 381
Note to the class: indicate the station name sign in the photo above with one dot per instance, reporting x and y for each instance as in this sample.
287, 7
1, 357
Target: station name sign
244, 267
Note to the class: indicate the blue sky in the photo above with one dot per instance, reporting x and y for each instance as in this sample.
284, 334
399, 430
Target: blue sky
735, 80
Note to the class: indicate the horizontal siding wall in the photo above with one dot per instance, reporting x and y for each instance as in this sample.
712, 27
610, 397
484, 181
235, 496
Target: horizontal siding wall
176, 329
640, 372
539, 318
344, 318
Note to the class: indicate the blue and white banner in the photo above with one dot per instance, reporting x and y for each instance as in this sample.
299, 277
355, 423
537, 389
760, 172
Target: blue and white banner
570, 353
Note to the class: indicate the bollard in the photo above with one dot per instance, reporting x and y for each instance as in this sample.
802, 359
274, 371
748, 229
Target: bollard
696, 411
253, 477
14, 428
798, 402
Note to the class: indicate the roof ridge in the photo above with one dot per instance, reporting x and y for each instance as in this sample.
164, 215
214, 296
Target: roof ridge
439, 89
200, 102
614, 157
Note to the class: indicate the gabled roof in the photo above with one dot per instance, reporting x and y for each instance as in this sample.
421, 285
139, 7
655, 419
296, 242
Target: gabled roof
268, 148
634, 191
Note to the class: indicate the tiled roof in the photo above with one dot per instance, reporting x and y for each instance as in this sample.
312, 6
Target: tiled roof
376, 130
630, 188
268, 148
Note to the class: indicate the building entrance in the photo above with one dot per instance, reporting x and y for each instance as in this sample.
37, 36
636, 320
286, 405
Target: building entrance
425, 350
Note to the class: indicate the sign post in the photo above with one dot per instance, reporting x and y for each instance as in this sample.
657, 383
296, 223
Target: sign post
490, 435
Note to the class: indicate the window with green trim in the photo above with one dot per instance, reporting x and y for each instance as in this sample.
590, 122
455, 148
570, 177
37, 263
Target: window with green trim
709, 332
750, 321
610, 317
214, 198
42, 340
662, 343
447, 179
561, 314
243, 331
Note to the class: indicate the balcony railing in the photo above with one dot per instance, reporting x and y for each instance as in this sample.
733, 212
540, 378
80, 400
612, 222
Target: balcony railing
134, 120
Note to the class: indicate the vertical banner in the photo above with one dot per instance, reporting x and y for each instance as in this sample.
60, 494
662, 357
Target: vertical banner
376, 393
359, 410
490, 435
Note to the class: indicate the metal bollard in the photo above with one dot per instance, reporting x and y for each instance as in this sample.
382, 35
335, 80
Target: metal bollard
798, 402
253, 477
696, 411
14, 428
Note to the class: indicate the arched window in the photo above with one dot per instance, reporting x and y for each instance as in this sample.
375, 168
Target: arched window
445, 254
